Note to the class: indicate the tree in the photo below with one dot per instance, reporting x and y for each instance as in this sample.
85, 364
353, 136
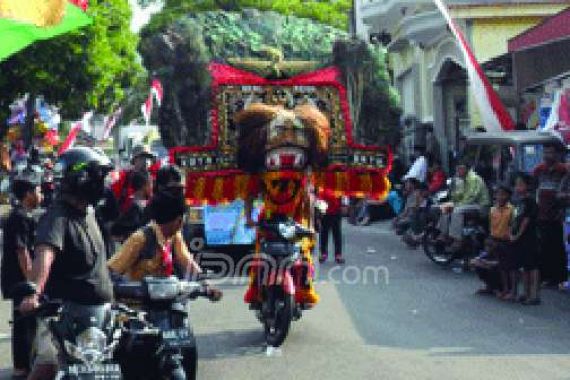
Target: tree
86, 69
333, 13
180, 52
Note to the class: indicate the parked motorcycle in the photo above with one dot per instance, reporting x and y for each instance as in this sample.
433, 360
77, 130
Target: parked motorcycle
87, 337
472, 241
157, 340
282, 245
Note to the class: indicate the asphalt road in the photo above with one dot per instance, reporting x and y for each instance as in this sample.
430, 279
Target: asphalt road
388, 314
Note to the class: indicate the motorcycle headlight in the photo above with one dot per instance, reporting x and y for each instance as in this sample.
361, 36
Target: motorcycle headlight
91, 346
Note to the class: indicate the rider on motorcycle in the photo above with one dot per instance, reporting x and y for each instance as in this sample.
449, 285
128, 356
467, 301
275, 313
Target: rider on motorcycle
70, 254
469, 193
157, 249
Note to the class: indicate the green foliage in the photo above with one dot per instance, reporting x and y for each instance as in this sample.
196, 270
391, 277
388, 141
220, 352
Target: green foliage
86, 69
330, 12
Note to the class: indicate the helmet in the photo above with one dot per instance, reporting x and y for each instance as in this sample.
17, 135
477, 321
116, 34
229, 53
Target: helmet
81, 172
142, 151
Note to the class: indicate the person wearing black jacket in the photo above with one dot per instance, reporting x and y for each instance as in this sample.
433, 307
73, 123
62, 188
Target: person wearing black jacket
18, 247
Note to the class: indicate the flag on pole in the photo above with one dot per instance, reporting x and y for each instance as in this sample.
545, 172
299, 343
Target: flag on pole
156, 90
494, 115
146, 109
110, 122
73, 132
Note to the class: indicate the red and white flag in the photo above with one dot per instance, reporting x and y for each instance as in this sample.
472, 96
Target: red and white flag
74, 131
146, 109
110, 122
494, 115
157, 91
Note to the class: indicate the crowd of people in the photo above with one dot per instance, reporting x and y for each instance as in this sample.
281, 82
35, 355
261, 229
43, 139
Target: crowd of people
525, 217
67, 250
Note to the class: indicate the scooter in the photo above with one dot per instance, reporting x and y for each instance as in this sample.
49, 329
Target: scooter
283, 272
157, 340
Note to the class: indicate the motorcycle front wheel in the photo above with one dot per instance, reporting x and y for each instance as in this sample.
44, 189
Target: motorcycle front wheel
190, 362
279, 315
434, 249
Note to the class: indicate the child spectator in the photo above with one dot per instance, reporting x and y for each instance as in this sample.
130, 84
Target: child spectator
525, 239
19, 232
500, 219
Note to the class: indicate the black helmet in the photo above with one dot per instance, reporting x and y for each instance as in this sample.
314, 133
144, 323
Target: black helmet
81, 172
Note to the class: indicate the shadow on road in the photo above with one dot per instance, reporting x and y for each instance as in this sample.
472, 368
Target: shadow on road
231, 344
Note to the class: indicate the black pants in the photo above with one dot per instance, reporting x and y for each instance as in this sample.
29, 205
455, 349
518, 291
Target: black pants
331, 222
22, 335
491, 277
553, 259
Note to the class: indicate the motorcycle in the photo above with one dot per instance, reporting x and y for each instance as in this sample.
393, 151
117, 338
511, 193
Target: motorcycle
86, 335
472, 238
159, 331
282, 247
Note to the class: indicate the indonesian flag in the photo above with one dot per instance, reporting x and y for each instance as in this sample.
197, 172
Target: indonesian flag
493, 113
146, 109
74, 131
110, 122
156, 90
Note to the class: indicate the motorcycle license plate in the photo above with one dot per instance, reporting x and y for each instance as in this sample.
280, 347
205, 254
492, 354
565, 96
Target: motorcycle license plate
177, 337
95, 371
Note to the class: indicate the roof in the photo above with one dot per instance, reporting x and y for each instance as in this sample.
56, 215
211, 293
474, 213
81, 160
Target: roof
550, 29
514, 137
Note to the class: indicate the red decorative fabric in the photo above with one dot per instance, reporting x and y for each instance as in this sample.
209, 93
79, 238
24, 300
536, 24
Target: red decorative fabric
167, 260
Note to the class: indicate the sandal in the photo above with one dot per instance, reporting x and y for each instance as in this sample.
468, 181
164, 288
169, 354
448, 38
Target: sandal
323, 257
522, 299
339, 259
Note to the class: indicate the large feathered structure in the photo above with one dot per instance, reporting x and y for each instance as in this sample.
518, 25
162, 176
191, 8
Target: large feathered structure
262, 127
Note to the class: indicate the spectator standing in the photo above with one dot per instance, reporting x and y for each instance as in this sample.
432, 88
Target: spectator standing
553, 259
500, 219
524, 239
331, 221
19, 236
142, 160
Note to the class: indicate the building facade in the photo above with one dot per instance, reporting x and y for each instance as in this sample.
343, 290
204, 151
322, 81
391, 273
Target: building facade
428, 67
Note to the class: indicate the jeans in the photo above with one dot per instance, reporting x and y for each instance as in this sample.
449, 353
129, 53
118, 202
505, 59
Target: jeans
453, 224
328, 223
